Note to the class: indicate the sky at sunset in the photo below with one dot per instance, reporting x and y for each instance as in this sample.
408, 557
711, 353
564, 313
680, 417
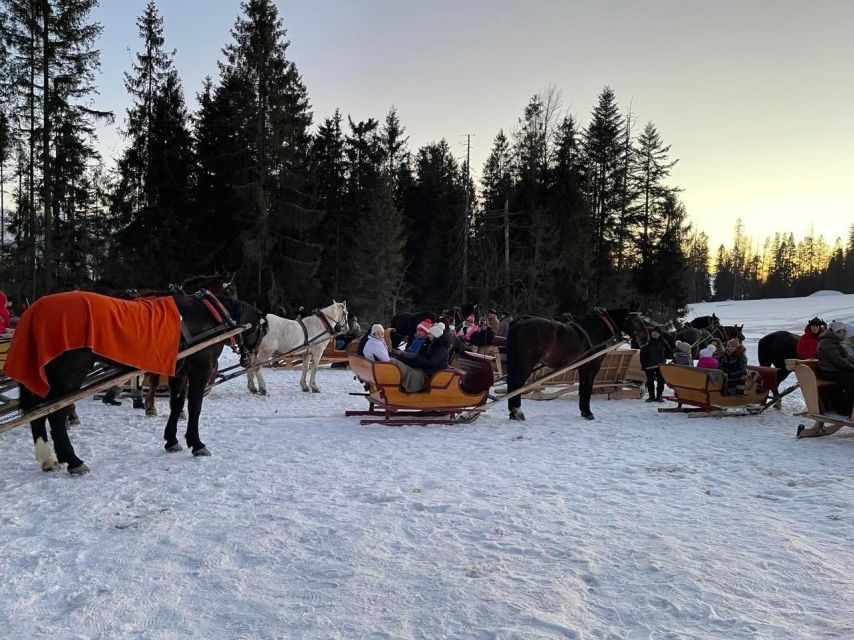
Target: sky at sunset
755, 97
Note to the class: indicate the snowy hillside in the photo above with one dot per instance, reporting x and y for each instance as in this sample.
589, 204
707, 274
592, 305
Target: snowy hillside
305, 524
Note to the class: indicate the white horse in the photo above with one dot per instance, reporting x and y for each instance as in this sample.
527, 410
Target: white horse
309, 336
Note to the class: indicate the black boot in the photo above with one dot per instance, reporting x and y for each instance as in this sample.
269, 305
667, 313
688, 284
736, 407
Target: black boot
110, 397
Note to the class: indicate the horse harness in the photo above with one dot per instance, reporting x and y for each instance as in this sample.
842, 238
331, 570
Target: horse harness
224, 322
606, 319
328, 328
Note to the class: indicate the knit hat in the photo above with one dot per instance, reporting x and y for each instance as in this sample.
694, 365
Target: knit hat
376, 328
836, 326
816, 322
684, 347
437, 330
707, 351
424, 325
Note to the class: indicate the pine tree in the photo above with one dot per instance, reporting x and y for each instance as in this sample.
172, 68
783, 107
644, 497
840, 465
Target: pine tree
603, 150
269, 116
377, 249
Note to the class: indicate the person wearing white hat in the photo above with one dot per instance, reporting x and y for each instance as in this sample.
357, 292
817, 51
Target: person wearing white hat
707, 358
834, 365
375, 347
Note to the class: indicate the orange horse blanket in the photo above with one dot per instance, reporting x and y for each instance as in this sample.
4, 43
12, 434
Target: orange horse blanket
142, 334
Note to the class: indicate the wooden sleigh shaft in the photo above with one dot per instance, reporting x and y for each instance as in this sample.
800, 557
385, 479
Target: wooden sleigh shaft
100, 381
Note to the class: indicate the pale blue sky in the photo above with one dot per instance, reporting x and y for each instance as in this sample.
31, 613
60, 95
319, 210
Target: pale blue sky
754, 97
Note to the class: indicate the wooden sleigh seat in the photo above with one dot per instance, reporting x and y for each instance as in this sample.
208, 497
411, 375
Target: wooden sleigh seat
815, 392
611, 380
702, 390
454, 395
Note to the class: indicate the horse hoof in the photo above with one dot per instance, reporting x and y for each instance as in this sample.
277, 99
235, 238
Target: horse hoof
315, 390
800, 431
517, 415
201, 452
588, 416
305, 389
253, 391
262, 392
182, 415
50, 466
74, 422
79, 470
174, 448
151, 412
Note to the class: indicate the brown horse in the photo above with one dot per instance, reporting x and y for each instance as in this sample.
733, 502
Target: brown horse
538, 341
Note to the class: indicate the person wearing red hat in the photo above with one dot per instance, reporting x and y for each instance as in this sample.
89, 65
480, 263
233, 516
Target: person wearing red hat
420, 338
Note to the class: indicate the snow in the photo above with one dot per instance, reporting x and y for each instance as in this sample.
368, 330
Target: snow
825, 292
304, 524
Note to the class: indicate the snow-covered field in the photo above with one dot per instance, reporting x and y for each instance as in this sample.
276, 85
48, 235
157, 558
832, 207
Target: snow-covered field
305, 524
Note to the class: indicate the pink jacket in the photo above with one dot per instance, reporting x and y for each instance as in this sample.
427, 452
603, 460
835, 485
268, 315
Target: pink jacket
707, 363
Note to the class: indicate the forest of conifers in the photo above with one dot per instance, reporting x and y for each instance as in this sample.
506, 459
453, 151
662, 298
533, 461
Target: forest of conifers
566, 214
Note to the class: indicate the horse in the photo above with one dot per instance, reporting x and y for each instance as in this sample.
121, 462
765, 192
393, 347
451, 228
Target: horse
700, 337
288, 336
217, 283
67, 372
404, 324
557, 344
775, 349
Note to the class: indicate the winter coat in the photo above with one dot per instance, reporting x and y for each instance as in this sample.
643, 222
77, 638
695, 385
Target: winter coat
434, 356
493, 323
683, 356
849, 350
734, 364
376, 349
416, 344
654, 353
360, 351
807, 345
482, 337
831, 354
504, 326
4, 313
707, 362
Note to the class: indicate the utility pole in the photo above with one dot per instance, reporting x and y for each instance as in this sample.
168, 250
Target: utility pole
466, 224
507, 251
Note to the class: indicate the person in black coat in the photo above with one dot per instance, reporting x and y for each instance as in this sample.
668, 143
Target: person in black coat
733, 362
653, 354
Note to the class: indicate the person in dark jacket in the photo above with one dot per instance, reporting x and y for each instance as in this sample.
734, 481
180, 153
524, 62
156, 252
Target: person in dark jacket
808, 343
834, 365
416, 368
733, 363
483, 335
653, 354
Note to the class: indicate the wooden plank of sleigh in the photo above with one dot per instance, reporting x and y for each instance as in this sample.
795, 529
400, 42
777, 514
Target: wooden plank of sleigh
100, 379
610, 380
813, 389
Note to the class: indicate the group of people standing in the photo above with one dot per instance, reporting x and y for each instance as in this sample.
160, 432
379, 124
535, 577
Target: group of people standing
730, 358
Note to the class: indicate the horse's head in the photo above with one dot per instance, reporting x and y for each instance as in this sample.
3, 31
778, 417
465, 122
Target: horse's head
631, 323
337, 315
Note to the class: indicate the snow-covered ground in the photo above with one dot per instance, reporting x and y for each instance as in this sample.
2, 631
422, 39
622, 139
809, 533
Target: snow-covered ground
305, 524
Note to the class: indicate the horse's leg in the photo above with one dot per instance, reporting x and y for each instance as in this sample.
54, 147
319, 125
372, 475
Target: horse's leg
177, 394
151, 393
73, 418
62, 443
45, 455
315, 361
585, 391
250, 374
262, 383
305, 359
198, 380
518, 370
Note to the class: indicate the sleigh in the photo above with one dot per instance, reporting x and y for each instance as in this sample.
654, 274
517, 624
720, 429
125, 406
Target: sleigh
611, 381
817, 395
699, 391
454, 395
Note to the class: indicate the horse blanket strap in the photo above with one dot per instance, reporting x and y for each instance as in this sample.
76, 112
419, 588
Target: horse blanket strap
583, 332
609, 323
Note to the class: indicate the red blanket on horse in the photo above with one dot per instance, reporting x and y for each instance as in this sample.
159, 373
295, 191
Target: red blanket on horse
142, 334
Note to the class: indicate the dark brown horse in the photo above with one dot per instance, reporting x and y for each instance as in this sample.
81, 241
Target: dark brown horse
538, 341
67, 372
777, 347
